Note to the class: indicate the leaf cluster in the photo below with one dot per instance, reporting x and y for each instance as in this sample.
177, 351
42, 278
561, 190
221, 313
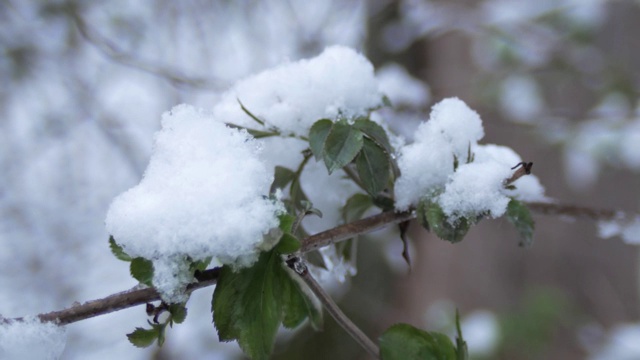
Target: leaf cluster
142, 337
250, 304
403, 341
362, 144
432, 217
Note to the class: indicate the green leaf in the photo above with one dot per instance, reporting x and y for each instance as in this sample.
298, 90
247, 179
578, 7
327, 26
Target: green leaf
286, 222
142, 270
143, 338
405, 342
200, 265
288, 244
373, 167
421, 214
440, 225
255, 118
317, 136
117, 250
519, 215
248, 305
296, 194
308, 209
342, 145
386, 102
355, 207
374, 132
162, 328
282, 177
383, 202
178, 313
299, 306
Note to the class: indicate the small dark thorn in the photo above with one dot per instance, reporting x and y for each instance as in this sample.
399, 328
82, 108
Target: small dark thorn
150, 309
291, 262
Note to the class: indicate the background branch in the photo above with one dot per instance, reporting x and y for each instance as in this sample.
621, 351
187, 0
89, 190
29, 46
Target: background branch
115, 53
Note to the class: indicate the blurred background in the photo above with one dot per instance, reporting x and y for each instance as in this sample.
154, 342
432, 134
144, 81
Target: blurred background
85, 83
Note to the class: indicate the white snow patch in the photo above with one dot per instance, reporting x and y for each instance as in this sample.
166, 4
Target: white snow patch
622, 344
629, 231
481, 331
520, 98
291, 97
201, 196
528, 188
401, 88
459, 125
452, 130
475, 188
31, 340
427, 166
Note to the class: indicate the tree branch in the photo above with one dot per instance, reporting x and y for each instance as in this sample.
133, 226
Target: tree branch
575, 211
209, 277
115, 53
119, 301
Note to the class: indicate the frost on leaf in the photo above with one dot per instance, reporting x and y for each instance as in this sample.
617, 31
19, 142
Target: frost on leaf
201, 196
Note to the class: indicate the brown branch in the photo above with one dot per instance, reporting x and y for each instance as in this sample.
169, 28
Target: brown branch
119, 301
209, 277
359, 227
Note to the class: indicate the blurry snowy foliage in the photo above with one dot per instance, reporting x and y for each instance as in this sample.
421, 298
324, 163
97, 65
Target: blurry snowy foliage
522, 51
86, 81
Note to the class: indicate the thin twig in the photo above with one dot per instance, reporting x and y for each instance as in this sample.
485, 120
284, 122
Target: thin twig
332, 308
524, 168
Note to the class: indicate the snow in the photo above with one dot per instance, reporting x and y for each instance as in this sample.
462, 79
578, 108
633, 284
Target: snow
622, 344
401, 88
201, 196
31, 340
528, 188
474, 189
481, 331
610, 140
628, 230
630, 145
291, 97
520, 99
457, 124
427, 166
